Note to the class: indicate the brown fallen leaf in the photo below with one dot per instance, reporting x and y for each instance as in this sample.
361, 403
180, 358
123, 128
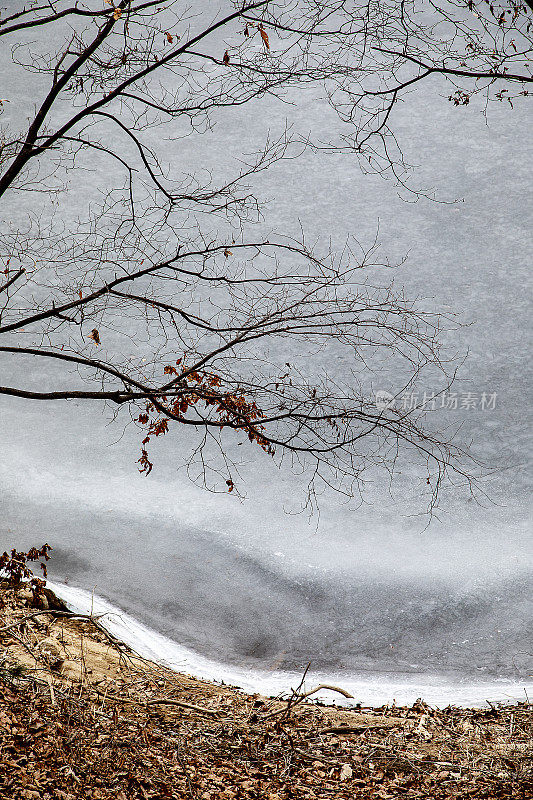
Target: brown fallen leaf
346, 772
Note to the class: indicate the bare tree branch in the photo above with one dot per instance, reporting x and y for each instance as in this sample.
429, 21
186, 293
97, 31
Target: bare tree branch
183, 321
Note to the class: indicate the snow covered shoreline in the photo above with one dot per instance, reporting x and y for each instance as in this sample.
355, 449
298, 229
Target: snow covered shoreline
376, 690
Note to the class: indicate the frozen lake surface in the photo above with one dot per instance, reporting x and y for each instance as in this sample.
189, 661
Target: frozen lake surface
372, 690
251, 591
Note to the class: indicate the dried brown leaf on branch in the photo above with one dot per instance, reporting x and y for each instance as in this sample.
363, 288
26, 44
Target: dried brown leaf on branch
264, 37
14, 566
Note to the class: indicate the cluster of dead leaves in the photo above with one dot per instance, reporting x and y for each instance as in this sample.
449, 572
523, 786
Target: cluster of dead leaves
248, 31
201, 389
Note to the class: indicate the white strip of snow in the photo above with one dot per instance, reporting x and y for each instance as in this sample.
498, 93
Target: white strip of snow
377, 690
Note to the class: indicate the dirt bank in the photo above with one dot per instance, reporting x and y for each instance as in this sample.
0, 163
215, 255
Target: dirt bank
81, 716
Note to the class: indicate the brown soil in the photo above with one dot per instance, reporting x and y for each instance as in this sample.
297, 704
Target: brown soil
81, 716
